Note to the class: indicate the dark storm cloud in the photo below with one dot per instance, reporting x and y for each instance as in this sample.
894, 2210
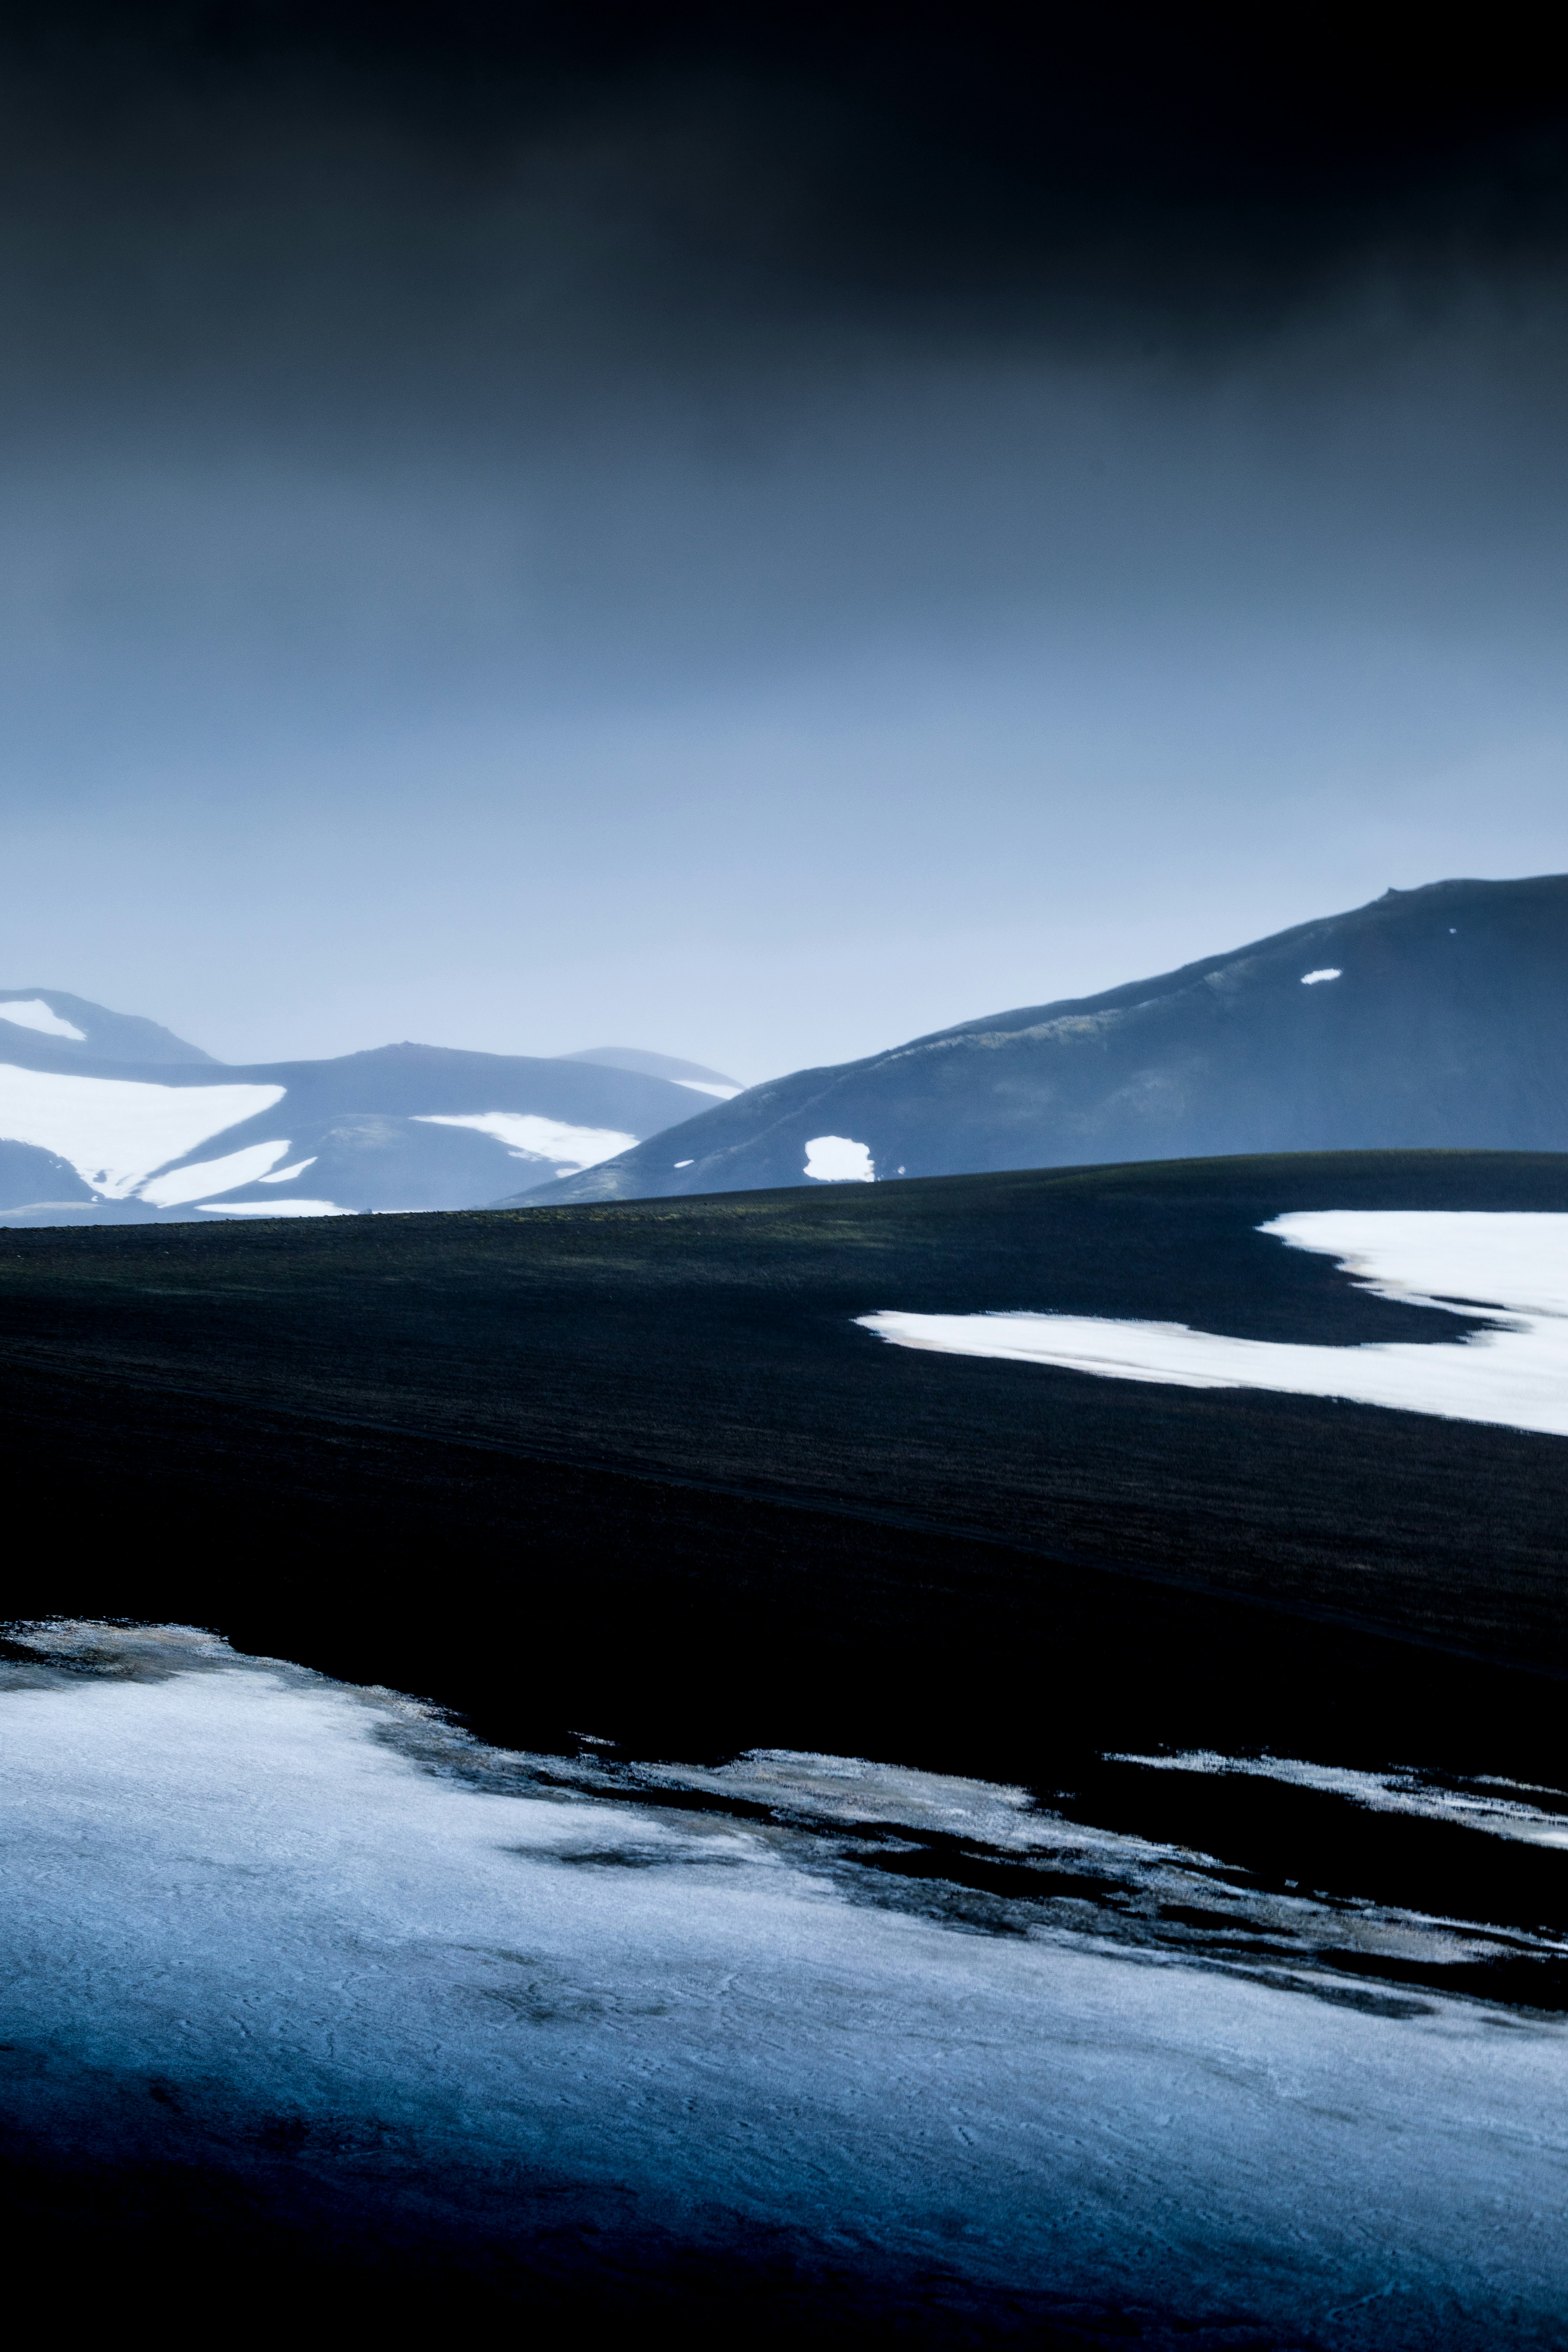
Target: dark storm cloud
354, 349
484, 221
618, 474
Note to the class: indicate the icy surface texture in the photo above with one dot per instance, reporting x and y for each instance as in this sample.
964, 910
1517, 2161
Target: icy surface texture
322, 1913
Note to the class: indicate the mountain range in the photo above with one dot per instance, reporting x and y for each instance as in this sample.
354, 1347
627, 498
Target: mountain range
1434, 1017
109, 1118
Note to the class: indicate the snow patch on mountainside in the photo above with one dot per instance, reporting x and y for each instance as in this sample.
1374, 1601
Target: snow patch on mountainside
116, 1131
839, 1160
528, 1136
287, 1175
32, 1013
1511, 1267
225, 1175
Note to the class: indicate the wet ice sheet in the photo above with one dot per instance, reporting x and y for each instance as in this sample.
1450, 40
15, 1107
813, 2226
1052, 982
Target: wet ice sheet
235, 1872
1510, 1269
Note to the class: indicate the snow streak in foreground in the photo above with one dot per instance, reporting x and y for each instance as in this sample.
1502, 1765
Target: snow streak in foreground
1509, 1268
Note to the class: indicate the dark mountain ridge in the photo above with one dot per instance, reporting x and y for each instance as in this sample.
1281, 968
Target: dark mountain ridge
1431, 1018
100, 1036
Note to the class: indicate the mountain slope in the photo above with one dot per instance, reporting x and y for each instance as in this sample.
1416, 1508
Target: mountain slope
404, 1126
48, 1030
694, 1074
1435, 1017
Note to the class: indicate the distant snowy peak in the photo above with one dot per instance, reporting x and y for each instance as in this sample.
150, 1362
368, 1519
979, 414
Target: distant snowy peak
32, 1013
400, 1129
50, 1029
691, 1075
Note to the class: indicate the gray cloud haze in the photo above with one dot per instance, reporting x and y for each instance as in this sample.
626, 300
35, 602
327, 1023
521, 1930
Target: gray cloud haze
746, 544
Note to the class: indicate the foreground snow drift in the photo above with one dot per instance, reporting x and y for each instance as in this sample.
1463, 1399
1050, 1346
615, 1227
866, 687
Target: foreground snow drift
1509, 1268
318, 1914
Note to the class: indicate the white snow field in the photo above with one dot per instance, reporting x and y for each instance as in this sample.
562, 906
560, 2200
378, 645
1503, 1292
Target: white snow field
287, 1175
1511, 1267
115, 1132
839, 1160
32, 1013
224, 1175
570, 1148
287, 1901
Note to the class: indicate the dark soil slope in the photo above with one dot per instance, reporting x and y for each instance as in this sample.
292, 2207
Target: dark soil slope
634, 1471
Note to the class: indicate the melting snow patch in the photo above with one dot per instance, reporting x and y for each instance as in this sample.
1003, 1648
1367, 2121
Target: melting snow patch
1474, 1804
288, 1898
32, 1013
529, 1137
837, 1159
702, 1087
224, 1175
685, 1163
1512, 1268
287, 1175
1329, 971
115, 1131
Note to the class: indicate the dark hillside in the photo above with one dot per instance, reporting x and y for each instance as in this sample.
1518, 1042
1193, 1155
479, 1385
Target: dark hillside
1433, 1018
634, 1471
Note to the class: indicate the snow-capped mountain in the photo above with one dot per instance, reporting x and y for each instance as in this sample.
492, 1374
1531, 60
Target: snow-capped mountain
66, 1033
691, 1075
1435, 1017
107, 1118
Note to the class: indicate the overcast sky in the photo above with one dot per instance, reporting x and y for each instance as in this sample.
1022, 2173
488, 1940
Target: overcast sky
756, 535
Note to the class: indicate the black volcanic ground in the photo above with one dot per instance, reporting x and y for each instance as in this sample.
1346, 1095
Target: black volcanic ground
634, 1469
626, 1490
